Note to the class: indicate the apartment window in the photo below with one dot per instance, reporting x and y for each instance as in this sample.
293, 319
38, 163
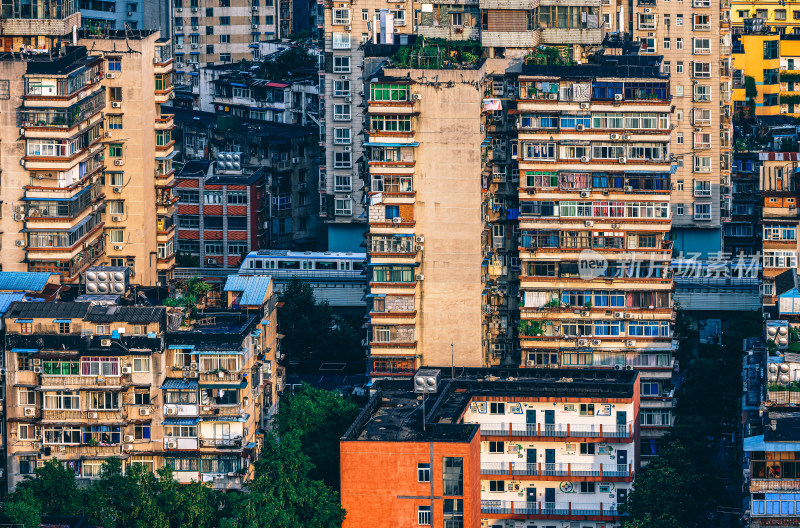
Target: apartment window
104, 401
209, 51
679, 20
27, 464
497, 486
679, 139
117, 236
771, 99
780, 259
702, 93
771, 76
100, 366
141, 364
587, 448
679, 66
115, 150
497, 408
341, 136
497, 447
701, 70
341, 88
62, 400
679, 210
27, 432
24, 363
141, 432
702, 188
702, 211
453, 513
666, 65
702, 140
342, 160
701, 22
424, 515
780, 14
212, 197
453, 475
679, 43
666, 46
341, 112
343, 183
343, 207
341, 64
587, 487
224, 21
744, 13
587, 409
650, 388
237, 197
214, 248
114, 122
423, 472
702, 164
770, 47
225, 39
365, 14
63, 328
701, 46
341, 17
647, 21
341, 40
26, 397
114, 64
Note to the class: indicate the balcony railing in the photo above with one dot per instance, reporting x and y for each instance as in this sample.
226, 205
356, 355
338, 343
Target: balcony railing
233, 443
220, 410
557, 469
550, 509
557, 430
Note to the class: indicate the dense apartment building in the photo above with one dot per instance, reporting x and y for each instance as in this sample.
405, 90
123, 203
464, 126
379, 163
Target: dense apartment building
221, 213
741, 235
529, 448
695, 40
229, 32
96, 380
103, 15
783, 16
287, 157
138, 152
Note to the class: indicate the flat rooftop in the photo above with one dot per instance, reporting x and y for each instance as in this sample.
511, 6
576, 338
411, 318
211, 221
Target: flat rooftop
394, 412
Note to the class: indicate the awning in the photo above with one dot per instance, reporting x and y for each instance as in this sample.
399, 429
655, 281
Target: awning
257, 333
277, 85
219, 352
23, 320
168, 156
181, 347
238, 84
212, 385
224, 418
371, 144
372, 295
62, 320
24, 350
180, 421
30, 199
70, 230
265, 322
179, 384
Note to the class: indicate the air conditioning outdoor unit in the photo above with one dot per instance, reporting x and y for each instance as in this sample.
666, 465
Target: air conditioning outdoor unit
91, 415
615, 136
618, 97
116, 219
416, 97
29, 411
585, 106
117, 190
19, 217
194, 374
19, 243
627, 188
295, 160
194, 10
129, 438
585, 194
37, 370
127, 447
622, 159
119, 247
583, 342
589, 223
628, 316
111, 75
419, 277
105, 342
630, 342
193, 366
116, 104
418, 247
144, 412
126, 370
419, 238
172, 444
618, 314
397, 220
596, 342
579, 127
171, 410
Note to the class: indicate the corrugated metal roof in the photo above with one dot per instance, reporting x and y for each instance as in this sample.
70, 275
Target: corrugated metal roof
7, 298
125, 314
24, 281
180, 421
254, 288
179, 384
50, 310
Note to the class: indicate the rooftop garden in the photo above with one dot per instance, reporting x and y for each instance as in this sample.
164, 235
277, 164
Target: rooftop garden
549, 56
438, 54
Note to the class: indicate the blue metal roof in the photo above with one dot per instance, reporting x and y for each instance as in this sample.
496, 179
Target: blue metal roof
7, 298
181, 421
254, 288
23, 280
757, 443
179, 384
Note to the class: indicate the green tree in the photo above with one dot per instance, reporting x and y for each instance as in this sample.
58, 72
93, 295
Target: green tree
282, 494
55, 488
312, 331
318, 418
22, 507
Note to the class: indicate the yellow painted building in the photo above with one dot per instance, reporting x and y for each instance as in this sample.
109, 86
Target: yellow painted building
772, 61
784, 16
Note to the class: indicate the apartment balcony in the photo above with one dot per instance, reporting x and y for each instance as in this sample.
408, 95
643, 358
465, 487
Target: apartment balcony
511, 39
511, 4
232, 411
100, 382
162, 68
166, 263
221, 443
99, 451
221, 377
163, 96
165, 122
51, 27
70, 262
557, 471
759, 485
166, 206
40, 340
391, 107
63, 99
558, 432
450, 32
60, 120
225, 481
549, 510
69, 416
573, 35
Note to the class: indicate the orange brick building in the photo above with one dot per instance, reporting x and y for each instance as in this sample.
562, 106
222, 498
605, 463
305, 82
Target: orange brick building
552, 446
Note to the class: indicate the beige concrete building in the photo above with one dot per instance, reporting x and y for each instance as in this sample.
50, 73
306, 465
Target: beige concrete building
88, 382
694, 38
227, 32
138, 147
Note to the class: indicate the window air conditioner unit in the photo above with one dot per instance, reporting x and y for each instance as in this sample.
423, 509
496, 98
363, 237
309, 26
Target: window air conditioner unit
126, 370
111, 75
630, 342
144, 412
129, 438
116, 104
105, 342
618, 97
91, 415
419, 277
397, 220
419, 238
585, 194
